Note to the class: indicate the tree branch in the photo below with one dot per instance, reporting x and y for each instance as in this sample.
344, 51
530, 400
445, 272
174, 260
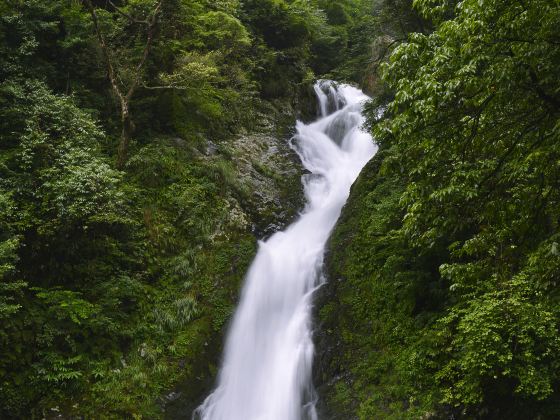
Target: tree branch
126, 15
124, 99
105, 51
147, 47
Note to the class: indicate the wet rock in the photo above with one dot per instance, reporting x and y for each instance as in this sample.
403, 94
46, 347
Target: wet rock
211, 148
172, 396
266, 196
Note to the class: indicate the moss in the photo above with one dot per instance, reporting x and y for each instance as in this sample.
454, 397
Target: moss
366, 311
220, 274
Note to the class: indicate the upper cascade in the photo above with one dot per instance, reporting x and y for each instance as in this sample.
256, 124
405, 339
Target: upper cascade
329, 96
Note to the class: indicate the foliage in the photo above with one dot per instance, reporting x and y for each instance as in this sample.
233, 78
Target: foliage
362, 36
472, 137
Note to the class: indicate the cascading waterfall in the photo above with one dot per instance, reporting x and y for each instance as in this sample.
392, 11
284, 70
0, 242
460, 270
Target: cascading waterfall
266, 372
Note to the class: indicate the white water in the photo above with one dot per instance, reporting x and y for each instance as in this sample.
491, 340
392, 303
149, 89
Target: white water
266, 373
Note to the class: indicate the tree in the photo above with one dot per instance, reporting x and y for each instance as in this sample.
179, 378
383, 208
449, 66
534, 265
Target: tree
473, 129
124, 92
66, 236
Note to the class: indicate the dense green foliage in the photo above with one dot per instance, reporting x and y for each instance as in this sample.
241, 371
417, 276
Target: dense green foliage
448, 251
126, 217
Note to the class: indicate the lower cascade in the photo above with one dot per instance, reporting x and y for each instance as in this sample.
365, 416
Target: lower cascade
266, 372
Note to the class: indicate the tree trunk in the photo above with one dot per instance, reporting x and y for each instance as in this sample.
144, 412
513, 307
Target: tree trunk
127, 126
126, 133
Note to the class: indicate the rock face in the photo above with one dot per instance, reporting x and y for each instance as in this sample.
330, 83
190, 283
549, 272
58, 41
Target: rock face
270, 171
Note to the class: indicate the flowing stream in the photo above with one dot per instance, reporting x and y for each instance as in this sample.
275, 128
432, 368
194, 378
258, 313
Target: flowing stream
266, 372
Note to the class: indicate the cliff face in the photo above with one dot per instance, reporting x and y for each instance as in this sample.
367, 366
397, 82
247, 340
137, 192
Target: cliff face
336, 311
380, 295
363, 312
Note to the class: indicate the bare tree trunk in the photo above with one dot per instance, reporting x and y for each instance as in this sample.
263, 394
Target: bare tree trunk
127, 126
126, 132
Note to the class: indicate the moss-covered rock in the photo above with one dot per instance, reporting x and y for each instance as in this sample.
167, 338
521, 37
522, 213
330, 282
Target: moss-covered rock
337, 322
367, 311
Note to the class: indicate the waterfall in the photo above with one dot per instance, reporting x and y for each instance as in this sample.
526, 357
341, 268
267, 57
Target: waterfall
266, 372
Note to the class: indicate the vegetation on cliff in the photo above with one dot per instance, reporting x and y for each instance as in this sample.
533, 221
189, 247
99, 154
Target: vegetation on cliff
445, 264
